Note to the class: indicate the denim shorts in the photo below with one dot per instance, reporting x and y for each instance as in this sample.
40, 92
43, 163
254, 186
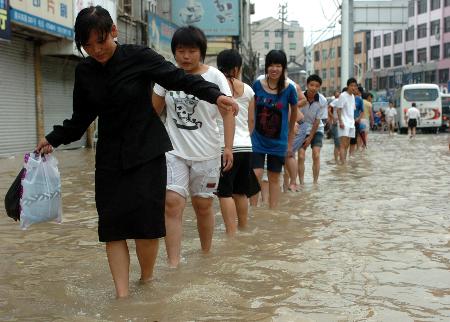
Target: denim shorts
334, 133
316, 141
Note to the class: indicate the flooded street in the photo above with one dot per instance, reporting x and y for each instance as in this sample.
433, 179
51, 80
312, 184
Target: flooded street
371, 242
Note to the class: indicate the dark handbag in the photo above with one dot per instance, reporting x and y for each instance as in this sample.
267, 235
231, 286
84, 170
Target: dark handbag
12, 198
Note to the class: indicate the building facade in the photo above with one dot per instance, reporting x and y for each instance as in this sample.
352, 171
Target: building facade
327, 61
419, 54
269, 33
38, 56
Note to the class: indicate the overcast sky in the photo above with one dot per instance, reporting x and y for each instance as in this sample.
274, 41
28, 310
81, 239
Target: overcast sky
313, 15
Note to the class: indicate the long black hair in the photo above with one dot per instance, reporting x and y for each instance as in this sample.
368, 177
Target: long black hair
277, 57
190, 36
227, 60
88, 19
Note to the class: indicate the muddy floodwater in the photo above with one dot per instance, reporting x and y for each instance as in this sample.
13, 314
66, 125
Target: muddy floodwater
371, 242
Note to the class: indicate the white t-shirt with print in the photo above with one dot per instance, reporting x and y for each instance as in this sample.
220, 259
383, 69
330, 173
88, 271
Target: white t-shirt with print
391, 112
413, 113
346, 104
192, 123
242, 141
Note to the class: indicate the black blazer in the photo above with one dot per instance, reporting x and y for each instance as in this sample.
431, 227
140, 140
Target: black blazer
130, 132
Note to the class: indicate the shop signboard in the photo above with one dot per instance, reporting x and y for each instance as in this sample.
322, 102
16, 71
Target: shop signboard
50, 16
214, 17
160, 32
5, 22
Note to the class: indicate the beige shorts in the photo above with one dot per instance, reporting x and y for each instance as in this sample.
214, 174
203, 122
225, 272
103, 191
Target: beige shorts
197, 178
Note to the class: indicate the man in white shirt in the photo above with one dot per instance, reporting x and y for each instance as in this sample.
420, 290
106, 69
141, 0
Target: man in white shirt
390, 114
333, 123
413, 118
345, 110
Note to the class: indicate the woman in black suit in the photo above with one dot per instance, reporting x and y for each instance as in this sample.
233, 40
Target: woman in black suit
114, 84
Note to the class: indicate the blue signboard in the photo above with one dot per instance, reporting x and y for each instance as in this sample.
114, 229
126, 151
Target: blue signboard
214, 17
5, 21
160, 32
40, 23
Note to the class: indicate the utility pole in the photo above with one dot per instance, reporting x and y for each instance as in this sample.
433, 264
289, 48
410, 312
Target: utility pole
347, 41
283, 17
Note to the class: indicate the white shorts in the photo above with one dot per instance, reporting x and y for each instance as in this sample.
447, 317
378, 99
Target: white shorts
346, 131
197, 178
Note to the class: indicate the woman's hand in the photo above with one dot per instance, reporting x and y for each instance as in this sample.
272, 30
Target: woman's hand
227, 104
44, 147
227, 159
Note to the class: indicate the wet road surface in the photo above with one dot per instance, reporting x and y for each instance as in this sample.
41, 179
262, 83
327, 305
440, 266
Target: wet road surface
371, 242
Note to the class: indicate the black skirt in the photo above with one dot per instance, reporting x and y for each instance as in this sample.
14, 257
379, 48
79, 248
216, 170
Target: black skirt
130, 203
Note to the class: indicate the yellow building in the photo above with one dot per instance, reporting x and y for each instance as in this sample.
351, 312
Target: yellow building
327, 62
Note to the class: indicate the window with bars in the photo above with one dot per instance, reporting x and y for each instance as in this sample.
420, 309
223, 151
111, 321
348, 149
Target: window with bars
435, 4
443, 75
376, 62
421, 55
126, 6
435, 52
358, 48
409, 33
435, 27
376, 42
317, 55
398, 59
447, 24
447, 50
387, 39
421, 6
409, 57
422, 30
387, 61
398, 35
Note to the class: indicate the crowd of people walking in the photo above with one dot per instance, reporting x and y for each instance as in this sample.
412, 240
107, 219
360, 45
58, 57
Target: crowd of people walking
202, 132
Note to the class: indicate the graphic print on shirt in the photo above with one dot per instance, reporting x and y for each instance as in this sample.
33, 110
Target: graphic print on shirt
268, 117
185, 105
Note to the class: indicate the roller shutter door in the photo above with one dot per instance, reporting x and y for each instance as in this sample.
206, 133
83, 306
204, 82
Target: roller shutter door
17, 97
58, 76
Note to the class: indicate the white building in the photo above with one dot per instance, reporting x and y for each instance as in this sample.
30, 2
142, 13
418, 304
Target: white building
269, 33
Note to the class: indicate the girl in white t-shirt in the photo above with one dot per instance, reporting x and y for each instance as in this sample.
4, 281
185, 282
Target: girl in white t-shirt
193, 166
240, 183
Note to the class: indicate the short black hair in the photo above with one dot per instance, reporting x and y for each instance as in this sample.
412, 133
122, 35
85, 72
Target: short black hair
88, 19
227, 60
351, 80
314, 78
189, 36
344, 89
361, 89
366, 95
276, 56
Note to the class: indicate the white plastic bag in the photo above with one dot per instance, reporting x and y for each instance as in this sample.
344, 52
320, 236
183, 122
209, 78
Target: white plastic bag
40, 200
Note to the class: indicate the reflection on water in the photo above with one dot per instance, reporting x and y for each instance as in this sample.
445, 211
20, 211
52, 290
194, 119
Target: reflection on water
370, 242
